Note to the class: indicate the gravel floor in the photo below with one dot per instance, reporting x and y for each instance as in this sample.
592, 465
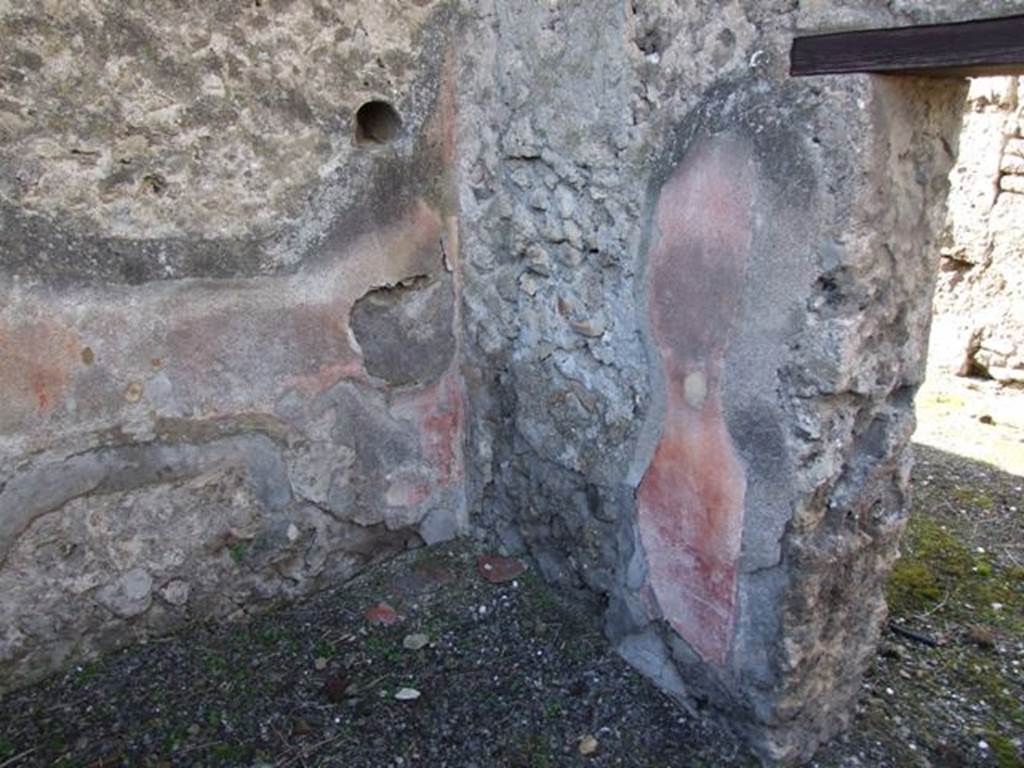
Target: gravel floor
509, 676
947, 686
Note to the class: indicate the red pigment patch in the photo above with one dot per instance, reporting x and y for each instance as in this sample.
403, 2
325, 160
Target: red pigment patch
442, 426
404, 492
36, 360
310, 342
441, 127
326, 377
438, 413
382, 615
497, 569
690, 502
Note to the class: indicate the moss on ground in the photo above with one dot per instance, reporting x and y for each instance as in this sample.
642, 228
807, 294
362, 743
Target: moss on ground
939, 573
1004, 751
957, 582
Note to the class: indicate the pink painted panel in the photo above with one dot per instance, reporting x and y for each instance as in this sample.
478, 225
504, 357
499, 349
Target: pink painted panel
36, 360
690, 501
438, 412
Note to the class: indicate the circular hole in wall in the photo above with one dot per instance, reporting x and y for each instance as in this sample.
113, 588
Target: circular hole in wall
377, 122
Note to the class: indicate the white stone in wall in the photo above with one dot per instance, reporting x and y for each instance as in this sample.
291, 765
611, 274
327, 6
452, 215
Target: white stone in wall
979, 302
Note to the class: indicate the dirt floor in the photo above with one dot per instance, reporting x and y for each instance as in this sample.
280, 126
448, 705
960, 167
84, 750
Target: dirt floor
484, 667
947, 685
975, 418
505, 675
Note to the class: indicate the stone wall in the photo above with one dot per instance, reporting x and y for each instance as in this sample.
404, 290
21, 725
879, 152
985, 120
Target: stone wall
979, 301
617, 294
694, 333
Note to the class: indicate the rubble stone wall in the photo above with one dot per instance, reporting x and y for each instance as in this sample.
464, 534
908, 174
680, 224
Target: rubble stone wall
979, 300
618, 295
694, 331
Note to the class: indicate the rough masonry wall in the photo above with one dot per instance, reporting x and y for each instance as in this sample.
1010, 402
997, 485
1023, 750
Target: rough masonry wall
979, 300
228, 319
697, 306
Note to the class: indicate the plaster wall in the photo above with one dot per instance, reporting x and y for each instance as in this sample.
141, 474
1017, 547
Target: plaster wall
228, 322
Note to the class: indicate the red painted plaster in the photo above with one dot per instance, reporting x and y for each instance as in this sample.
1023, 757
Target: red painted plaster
325, 377
439, 414
36, 363
302, 339
690, 501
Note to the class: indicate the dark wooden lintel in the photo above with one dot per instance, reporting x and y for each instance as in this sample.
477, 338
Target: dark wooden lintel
964, 49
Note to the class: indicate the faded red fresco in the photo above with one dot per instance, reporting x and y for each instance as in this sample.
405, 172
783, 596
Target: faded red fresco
438, 412
442, 124
218, 347
309, 341
690, 501
36, 360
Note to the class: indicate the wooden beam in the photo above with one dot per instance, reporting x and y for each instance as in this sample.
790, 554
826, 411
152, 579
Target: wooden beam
965, 49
